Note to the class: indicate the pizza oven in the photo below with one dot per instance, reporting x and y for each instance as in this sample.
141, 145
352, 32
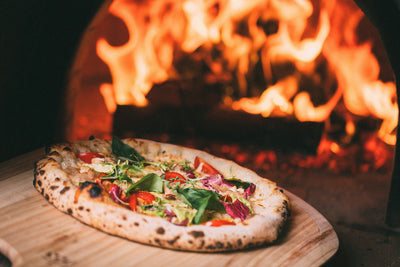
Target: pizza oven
308, 77
304, 91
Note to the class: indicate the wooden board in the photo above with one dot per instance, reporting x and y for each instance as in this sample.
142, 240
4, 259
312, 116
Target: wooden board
34, 233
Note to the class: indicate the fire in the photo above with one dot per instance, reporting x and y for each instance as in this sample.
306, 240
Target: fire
162, 32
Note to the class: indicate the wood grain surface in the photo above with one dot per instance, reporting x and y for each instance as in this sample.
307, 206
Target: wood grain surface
34, 233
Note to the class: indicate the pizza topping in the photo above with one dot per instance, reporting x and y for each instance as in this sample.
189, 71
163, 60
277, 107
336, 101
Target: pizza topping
151, 182
87, 157
99, 178
132, 200
174, 176
204, 167
215, 179
145, 197
237, 209
217, 223
116, 194
200, 199
183, 223
183, 215
190, 175
226, 198
176, 190
249, 191
124, 151
100, 166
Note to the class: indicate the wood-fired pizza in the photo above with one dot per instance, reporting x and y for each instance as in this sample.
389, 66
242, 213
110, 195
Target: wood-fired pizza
162, 194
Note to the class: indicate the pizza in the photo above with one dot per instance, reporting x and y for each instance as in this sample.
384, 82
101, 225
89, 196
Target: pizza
162, 194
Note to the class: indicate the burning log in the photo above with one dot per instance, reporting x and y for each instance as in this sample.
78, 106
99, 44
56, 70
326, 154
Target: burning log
182, 113
218, 123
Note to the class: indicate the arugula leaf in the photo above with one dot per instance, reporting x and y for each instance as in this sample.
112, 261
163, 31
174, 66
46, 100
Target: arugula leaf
187, 166
169, 165
124, 151
151, 183
201, 200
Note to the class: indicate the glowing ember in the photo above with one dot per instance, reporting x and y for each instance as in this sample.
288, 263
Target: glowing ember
162, 32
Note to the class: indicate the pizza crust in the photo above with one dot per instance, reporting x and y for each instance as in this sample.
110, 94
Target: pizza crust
91, 205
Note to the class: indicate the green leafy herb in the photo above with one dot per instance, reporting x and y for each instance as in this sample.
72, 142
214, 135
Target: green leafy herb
151, 183
124, 151
154, 210
201, 200
169, 165
187, 166
238, 183
183, 213
121, 171
164, 165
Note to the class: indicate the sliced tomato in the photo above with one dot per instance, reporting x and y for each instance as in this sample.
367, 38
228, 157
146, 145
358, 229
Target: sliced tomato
143, 196
88, 156
108, 185
206, 168
123, 197
174, 175
217, 223
132, 200
146, 197
98, 180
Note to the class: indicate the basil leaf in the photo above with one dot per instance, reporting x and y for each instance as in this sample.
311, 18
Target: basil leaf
151, 183
124, 151
238, 183
201, 200
201, 210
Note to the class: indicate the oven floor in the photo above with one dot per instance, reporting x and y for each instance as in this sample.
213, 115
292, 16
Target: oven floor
355, 205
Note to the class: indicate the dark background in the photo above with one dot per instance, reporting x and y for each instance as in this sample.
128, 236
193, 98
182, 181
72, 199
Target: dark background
38, 39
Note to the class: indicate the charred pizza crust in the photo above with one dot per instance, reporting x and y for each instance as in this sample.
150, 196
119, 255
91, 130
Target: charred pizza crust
77, 194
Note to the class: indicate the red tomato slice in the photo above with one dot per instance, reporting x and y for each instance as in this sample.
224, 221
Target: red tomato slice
217, 223
98, 180
146, 197
123, 197
88, 156
108, 186
174, 175
132, 200
206, 168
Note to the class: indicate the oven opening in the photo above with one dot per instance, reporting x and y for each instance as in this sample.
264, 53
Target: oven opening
305, 81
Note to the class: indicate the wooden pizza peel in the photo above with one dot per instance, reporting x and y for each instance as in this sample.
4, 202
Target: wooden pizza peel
34, 233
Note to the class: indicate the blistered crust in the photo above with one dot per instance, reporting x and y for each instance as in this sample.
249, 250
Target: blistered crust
90, 204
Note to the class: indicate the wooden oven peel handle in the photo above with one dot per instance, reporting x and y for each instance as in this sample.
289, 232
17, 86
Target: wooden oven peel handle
11, 253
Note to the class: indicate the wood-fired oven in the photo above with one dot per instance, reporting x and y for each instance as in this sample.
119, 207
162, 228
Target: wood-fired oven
279, 86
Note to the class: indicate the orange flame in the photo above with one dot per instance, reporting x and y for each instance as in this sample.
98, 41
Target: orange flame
357, 71
162, 31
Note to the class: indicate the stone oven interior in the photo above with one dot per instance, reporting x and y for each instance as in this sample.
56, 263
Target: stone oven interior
39, 48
